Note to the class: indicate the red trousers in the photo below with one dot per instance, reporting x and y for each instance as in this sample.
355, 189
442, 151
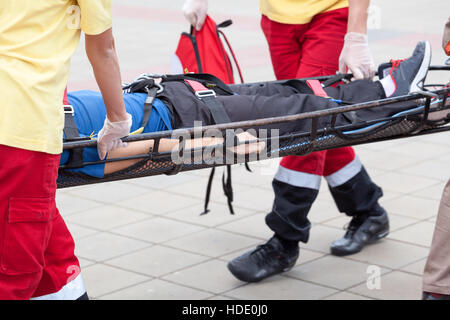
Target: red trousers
36, 249
309, 50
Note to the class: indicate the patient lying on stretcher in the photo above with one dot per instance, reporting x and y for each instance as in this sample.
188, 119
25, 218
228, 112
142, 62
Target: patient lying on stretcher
177, 106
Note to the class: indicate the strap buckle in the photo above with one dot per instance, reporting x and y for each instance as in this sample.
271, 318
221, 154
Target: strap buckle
68, 109
205, 93
157, 85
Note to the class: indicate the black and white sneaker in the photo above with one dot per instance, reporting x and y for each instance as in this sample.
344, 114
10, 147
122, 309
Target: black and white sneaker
408, 75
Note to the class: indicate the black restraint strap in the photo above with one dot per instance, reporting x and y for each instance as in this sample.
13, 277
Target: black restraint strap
208, 96
72, 134
208, 191
148, 105
216, 108
70, 128
228, 188
219, 116
208, 80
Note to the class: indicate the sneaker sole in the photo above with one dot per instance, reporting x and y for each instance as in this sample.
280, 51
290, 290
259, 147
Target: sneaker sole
238, 276
423, 70
254, 280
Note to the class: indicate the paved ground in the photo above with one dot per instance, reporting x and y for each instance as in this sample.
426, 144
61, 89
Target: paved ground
144, 238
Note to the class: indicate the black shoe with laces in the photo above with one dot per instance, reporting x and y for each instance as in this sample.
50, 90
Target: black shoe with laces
362, 230
266, 260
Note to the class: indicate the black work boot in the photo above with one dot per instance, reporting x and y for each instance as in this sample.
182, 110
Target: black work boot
363, 229
266, 260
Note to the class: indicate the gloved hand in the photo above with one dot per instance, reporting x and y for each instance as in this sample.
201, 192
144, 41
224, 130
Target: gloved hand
195, 12
356, 56
109, 136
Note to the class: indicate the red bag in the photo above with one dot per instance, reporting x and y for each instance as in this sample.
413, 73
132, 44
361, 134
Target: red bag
203, 52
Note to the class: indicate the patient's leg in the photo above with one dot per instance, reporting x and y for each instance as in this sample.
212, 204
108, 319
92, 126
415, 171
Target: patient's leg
247, 107
271, 88
262, 106
357, 91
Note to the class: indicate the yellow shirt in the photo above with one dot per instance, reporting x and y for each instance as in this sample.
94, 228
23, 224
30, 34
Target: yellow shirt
298, 11
37, 40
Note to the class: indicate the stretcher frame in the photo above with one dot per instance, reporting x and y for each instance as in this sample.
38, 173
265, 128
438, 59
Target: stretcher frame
428, 119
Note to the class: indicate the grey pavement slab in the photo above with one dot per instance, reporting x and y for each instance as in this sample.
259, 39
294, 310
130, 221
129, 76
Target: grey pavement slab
281, 288
420, 233
219, 214
102, 246
101, 279
253, 226
340, 273
391, 254
106, 217
157, 289
344, 295
157, 230
157, 261
211, 276
411, 206
212, 242
395, 285
416, 267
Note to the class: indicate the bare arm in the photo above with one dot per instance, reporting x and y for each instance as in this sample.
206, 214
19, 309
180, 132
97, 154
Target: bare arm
357, 15
143, 147
101, 52
169, 145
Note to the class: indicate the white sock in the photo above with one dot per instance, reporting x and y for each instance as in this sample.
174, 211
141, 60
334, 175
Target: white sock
388, 85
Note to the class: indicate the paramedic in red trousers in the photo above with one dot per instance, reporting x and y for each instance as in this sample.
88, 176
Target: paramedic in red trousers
312, 38
436, 275
37, 40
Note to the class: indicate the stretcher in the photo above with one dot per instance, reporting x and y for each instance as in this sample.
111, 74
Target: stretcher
430, 114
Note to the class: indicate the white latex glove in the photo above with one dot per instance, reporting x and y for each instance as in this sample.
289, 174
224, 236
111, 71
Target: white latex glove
195, 12
109, 136
356, 56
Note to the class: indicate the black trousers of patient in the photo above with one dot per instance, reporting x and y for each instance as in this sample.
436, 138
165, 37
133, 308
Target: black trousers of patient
267, 100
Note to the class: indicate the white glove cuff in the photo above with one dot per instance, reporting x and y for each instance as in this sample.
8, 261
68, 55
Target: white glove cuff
119, 124
355, 37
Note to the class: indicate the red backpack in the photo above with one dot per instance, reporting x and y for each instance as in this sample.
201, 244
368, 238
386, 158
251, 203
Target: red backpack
203, 52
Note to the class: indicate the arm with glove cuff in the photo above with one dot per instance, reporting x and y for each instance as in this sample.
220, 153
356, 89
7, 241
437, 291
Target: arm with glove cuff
195, 12
355, 54
102, 55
